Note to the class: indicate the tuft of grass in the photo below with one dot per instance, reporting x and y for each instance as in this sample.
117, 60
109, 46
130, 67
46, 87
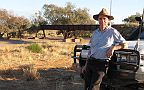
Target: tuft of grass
36, 48
30, 73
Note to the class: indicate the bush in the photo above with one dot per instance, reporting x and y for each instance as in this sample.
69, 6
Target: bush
86, 34
35, 48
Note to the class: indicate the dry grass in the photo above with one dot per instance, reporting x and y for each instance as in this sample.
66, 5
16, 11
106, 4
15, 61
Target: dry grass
55, 54
48, 70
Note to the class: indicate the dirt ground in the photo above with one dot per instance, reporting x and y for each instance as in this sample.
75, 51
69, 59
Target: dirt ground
49, 78
52, 79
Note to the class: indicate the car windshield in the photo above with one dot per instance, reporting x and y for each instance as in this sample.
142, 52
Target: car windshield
142, 35
135, 34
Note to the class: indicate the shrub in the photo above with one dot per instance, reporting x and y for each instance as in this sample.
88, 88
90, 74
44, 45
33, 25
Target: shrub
35, 48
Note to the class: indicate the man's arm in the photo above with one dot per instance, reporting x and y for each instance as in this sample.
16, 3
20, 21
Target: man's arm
123, 45
110, 51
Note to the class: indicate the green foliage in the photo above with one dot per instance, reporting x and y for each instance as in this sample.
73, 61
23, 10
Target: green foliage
68, 15
131, 19
11, 23
35, 48
38, 19
86, 34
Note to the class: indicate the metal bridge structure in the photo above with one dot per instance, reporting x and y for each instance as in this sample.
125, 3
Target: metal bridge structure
63, 27
73, 27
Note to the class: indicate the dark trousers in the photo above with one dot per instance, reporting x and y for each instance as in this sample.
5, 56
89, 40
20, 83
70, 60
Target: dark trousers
95, 72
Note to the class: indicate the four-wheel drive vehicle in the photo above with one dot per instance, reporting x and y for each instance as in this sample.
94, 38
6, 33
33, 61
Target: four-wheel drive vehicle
126, 67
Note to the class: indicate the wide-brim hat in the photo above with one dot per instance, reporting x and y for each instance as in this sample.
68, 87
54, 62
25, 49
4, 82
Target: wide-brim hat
105, 13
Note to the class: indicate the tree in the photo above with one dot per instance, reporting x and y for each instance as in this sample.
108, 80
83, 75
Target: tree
38, 20
68, 15
18, 24
10, 23
3, 22
131, 19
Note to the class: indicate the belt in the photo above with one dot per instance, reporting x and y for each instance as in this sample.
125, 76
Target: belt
99, 60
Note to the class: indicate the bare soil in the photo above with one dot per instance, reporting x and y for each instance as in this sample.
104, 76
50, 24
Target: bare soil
52, 79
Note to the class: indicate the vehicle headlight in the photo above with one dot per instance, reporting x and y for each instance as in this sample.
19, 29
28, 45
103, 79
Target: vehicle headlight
142, 56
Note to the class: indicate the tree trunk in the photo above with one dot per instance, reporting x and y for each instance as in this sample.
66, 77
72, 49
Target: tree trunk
36, 33
44, 33
8, 36
19, 34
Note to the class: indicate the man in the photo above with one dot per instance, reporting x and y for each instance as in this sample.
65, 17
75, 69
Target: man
104, 41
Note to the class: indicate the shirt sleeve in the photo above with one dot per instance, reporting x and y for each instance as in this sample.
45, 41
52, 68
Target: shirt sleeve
118, 37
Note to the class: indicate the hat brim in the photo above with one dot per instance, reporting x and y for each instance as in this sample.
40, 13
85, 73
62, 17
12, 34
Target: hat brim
97, 15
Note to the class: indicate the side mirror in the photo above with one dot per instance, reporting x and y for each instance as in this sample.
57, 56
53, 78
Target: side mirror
138, 19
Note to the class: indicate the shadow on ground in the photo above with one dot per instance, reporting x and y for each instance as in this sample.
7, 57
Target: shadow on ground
15, 41
51, 79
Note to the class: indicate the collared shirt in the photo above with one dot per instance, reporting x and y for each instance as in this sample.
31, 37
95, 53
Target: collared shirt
101, 41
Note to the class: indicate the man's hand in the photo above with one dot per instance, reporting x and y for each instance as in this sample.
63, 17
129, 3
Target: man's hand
109, 52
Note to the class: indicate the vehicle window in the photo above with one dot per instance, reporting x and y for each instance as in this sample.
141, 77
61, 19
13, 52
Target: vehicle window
142, 35
135, 35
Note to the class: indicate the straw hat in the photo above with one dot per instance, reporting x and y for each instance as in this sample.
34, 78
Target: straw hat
105, 13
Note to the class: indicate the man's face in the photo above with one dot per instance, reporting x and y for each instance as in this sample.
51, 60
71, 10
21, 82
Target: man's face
103, 21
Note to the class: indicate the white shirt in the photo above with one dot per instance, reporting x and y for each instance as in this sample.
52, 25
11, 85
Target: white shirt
101, 41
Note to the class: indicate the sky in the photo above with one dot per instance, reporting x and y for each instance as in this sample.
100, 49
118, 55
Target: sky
120, 9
